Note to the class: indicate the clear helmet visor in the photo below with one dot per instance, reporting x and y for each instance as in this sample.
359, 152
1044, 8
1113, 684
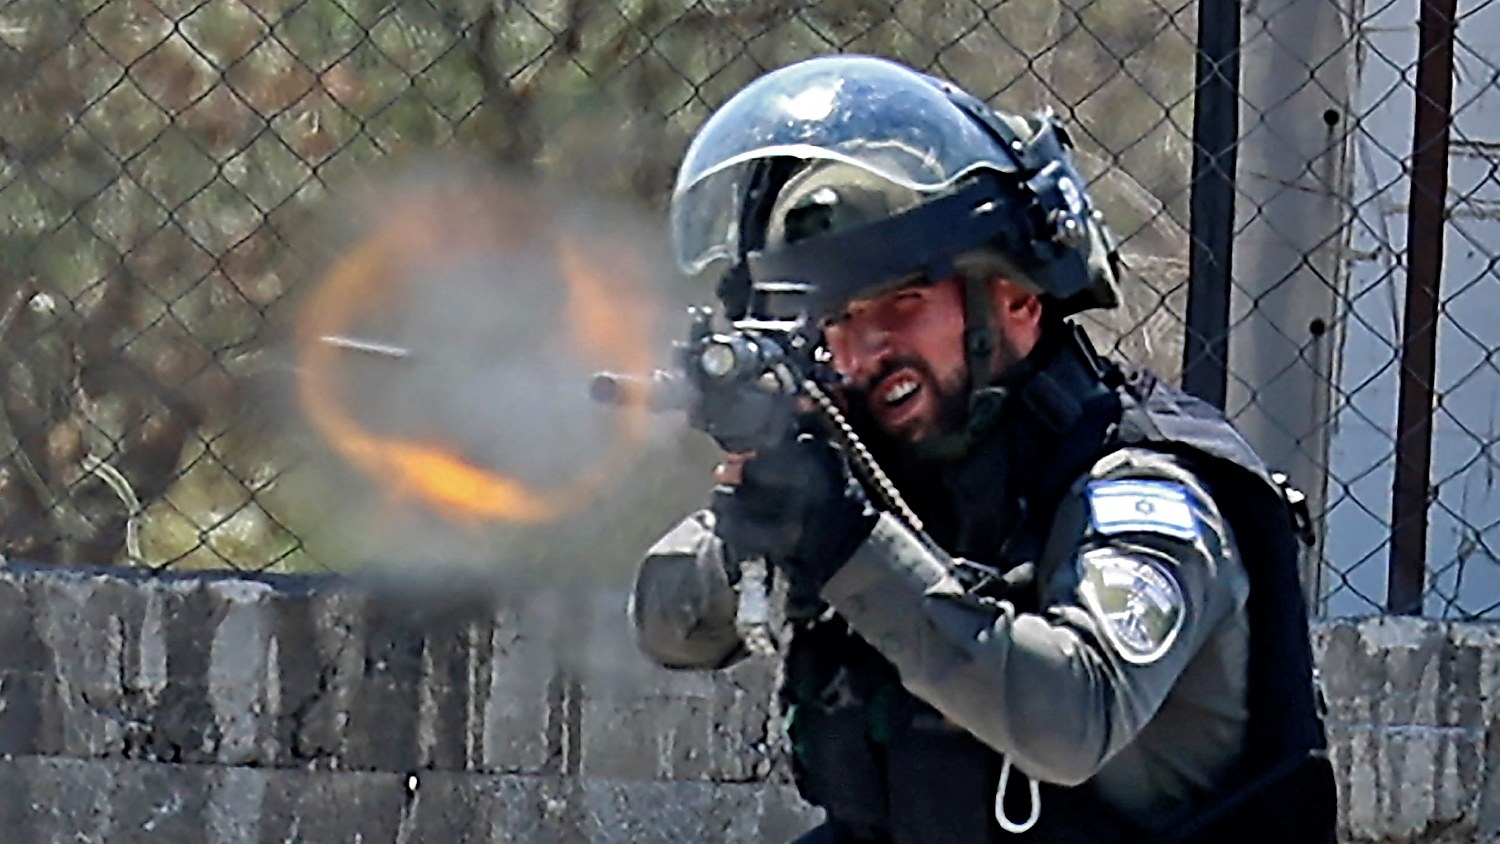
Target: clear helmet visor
870, 113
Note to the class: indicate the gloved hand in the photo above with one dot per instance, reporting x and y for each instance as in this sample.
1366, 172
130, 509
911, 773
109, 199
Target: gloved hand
797, 505
742, 417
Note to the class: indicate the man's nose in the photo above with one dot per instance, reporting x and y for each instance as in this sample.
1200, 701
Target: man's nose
867, 351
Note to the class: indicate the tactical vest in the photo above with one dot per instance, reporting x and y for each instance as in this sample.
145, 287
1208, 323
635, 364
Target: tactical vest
885, 765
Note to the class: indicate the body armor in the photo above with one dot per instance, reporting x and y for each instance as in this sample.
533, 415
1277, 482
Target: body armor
888, 768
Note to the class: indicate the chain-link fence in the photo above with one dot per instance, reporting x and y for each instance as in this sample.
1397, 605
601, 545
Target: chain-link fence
1413, 518
158, 161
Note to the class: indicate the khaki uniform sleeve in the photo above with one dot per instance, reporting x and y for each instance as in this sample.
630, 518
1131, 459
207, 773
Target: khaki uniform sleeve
682, 605
1059, 692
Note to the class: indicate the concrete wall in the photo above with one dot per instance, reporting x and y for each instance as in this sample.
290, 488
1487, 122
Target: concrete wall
191, 709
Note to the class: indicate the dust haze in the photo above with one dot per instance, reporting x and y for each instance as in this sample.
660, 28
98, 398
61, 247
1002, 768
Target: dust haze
443, 358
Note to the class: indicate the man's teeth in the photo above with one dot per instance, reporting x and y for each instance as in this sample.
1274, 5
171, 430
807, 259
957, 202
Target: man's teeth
899, 392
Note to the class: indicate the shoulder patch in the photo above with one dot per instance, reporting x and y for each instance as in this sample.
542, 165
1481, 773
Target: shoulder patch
1143, 506
1138, 603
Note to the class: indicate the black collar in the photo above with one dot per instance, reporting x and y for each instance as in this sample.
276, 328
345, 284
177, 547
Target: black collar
1059, 398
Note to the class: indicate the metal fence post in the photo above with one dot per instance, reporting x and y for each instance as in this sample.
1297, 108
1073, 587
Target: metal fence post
1216, 128
1426, 226
1291, 267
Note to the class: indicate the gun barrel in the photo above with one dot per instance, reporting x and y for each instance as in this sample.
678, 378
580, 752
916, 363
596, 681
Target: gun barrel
658, 392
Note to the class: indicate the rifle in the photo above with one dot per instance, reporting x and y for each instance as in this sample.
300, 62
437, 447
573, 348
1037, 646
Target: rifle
752, 384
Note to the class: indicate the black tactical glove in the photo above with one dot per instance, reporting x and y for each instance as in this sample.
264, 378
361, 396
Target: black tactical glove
741, 417
798, 506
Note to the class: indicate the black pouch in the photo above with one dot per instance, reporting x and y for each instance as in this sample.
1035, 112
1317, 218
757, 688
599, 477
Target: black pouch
1293, 803
831, 677
836, 766
940, 778
943, 783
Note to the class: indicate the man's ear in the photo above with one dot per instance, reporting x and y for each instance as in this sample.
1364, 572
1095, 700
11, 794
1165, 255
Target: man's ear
1016, 306
1017, 313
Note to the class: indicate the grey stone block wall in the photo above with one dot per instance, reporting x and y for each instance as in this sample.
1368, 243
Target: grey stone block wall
57, 800
1414, 727
217, 709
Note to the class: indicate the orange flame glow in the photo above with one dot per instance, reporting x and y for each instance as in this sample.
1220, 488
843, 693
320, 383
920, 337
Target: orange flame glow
439, 228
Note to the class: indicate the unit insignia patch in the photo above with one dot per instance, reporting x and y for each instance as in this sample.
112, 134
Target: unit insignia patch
1139, 604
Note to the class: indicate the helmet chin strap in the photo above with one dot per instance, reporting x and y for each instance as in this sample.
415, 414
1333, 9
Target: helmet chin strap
980, 342
979, 332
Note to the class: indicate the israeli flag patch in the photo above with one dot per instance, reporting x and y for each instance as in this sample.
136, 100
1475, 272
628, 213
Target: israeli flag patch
1141, 506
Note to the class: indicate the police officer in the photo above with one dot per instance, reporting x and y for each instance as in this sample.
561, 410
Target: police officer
1083, 621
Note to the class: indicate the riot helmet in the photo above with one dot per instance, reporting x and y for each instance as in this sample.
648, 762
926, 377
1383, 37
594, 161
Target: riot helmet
835, 177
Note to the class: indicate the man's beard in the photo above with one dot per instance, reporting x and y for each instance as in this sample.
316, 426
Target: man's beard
948, 437
950, 400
